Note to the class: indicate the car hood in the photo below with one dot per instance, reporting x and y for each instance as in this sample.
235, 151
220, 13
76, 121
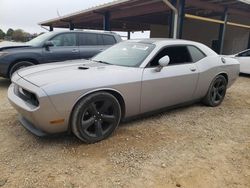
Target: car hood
232, 56
12, 45
65, 72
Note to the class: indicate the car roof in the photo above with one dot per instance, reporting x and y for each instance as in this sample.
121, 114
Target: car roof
84, 31
163, 40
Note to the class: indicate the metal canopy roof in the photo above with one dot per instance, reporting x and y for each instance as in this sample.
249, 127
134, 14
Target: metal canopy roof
137, 15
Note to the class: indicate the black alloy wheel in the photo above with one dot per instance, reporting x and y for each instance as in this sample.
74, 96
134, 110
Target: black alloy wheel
96, 117
217, 92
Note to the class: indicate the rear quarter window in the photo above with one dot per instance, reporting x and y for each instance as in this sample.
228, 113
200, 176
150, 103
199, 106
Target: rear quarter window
88, 39
195, 53
108, 40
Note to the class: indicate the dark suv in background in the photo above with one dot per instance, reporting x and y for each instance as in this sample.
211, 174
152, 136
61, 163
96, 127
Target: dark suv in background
53, 47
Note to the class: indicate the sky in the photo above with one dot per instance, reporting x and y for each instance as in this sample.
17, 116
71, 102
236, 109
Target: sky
26, 14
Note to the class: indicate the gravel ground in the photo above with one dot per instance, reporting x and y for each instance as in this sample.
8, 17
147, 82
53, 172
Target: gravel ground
193, 146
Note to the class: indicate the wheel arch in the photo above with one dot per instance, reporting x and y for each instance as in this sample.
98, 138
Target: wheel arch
207, 100
32, 60
220, 73
111, 91
224, 74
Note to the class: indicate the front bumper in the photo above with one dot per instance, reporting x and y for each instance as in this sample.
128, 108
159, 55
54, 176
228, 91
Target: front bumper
36, 119
4, 69
30, 127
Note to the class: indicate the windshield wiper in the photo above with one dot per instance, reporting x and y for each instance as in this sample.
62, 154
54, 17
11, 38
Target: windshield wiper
104, 62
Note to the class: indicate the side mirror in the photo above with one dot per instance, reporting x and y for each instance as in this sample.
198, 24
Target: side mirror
163, 62
48, 44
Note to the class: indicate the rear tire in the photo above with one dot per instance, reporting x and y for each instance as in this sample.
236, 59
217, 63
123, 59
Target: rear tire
95, 117
216, 92
19, 65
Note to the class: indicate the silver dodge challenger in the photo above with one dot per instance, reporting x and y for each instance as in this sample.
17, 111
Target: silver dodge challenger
91, 97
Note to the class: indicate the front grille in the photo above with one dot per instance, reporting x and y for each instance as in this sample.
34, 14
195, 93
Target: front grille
26, 95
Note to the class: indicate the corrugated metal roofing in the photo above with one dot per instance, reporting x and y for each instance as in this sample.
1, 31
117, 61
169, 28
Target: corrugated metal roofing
140, 11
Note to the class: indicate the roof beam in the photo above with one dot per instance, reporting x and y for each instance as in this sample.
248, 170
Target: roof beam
142, 10
216, 21
216, 7
124, 9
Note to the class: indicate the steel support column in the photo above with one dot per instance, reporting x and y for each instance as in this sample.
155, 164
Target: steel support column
129, 35
71, 26
106, 21
51, 28
222, 31
249, 41
181, 15
171, 20
173, 8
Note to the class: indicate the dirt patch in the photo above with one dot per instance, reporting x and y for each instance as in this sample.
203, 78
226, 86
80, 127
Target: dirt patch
193, 146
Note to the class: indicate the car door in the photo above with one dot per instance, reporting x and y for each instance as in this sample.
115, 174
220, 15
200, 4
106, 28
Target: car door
244, 59
65, 48
90, 44
173, 85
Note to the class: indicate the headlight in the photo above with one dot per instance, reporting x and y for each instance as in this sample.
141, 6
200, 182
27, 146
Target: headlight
26, 95
3, 53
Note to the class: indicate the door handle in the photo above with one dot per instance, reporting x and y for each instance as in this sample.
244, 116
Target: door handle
193, 69
75, 51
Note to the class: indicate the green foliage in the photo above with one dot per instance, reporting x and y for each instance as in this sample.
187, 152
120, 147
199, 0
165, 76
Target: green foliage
17, 35
2, 34
10, 32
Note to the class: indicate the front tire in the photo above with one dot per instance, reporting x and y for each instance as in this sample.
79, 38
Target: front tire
95, 117
19, 65
216, 92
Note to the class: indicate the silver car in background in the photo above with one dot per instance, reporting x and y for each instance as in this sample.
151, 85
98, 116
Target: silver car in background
91, 97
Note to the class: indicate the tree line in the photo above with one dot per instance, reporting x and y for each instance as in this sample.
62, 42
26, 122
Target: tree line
17, 35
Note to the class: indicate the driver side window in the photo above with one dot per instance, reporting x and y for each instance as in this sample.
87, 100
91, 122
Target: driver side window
177, 55
68, 39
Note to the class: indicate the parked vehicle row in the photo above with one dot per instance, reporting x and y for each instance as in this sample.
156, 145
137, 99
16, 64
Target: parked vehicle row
128, 79
54, 47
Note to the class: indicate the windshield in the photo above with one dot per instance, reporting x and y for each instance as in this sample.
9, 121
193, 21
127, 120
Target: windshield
129, 54
39, 40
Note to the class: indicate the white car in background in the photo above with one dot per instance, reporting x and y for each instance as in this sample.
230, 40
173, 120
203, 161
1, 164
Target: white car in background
244, 59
